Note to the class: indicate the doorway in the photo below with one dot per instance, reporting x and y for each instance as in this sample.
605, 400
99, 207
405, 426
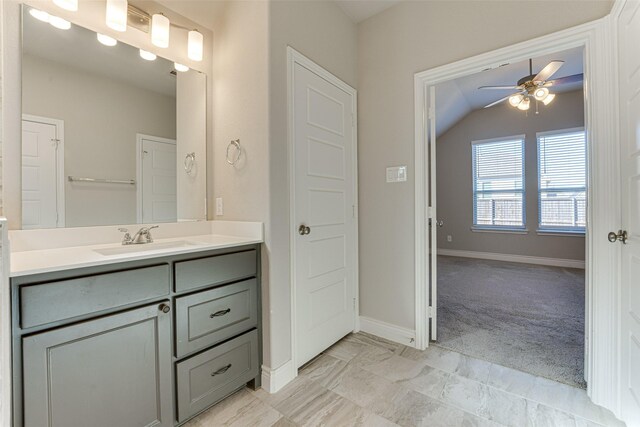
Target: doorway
601, 260
42, 172
156, 179
322, 111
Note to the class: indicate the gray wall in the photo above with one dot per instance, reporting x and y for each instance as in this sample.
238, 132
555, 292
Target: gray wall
99, 141
410, 37
454, 178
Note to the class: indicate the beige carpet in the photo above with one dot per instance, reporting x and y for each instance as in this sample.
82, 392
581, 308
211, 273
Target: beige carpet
523, 316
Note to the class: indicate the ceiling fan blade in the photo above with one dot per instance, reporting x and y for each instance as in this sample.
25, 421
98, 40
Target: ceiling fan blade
498, 101
500, 87
548, 71
576, 78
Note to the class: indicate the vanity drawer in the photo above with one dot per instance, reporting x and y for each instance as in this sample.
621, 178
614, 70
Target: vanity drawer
212, 270
204, 379
209, 317
64, 299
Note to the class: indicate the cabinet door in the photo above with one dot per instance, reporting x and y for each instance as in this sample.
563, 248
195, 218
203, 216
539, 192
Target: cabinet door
112, 371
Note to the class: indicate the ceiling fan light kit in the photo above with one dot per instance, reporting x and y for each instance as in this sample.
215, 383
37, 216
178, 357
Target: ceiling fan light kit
534, 87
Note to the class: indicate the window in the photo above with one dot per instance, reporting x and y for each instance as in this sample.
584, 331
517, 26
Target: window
498, 183
562, 177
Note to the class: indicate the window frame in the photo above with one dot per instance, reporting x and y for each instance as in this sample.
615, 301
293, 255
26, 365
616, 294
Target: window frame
521, 229
561, 230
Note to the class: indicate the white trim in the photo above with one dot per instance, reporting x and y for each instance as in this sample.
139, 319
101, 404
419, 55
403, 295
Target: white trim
274, 379
602, 341
520, 138
523, 259
388, 331
59, 125
139, 138
294, 57
559, 132
499, 230
6, 376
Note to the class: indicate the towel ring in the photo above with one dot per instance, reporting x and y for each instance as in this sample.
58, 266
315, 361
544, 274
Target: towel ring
235, 143
189, 162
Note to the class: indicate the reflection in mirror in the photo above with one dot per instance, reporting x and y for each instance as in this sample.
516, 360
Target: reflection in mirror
107, 130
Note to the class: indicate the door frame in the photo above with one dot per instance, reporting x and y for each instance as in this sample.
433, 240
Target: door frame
139, 138
59, 125
602, 341
295, 57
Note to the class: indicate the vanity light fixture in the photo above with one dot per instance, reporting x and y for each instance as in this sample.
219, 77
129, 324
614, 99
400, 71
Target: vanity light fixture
71, 5
106, 40
61, 24
147, 55
195, 45
180, 67
160, 28
117, 15
40, 15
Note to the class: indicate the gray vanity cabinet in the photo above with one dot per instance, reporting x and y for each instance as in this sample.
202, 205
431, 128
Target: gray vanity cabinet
151, 342
76, 373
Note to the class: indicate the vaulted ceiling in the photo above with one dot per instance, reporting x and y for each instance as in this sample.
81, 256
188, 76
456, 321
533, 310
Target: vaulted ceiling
457, 98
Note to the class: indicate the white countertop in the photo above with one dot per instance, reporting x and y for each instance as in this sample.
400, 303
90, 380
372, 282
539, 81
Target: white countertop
49, 260
44, 251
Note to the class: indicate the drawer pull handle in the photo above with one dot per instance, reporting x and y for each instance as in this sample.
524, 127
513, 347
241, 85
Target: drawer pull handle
221, 370
220, 313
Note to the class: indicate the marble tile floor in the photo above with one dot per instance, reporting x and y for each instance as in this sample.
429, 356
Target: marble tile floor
368, 381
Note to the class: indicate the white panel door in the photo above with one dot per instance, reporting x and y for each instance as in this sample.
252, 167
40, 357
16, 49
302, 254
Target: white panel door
629, 54
39, 175
158, 180
324, 181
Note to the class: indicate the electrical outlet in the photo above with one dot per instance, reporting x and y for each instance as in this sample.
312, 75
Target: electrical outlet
219, 206
449, 238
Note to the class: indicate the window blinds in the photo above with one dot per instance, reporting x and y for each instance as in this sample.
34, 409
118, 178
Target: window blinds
562, 165
498, 183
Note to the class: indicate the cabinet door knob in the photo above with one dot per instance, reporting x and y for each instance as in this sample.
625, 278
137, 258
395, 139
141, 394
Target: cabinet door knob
165, 308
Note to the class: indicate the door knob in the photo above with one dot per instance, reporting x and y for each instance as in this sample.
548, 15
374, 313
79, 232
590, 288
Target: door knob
303, 230
621, 235
439, 223
165, 308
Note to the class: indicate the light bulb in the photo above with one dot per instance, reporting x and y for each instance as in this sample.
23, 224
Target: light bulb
524, 105
59, 23
541, 93
40, 15
548, 99
160, 27
180, 67
71, 5
516, 99
106, 40
147, 55
195, 45
117, 14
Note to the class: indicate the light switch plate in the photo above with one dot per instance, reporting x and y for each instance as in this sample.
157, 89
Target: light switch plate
219, 206
397, 174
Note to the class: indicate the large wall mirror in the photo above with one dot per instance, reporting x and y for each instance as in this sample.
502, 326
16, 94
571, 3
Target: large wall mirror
110, 134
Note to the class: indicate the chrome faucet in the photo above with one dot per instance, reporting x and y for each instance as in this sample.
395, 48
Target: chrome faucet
141, 237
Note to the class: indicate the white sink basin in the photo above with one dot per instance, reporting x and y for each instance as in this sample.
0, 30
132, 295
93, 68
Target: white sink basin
128, 249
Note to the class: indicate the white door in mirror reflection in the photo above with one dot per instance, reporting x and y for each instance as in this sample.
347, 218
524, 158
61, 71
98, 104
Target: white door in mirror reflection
156, 179
42, 173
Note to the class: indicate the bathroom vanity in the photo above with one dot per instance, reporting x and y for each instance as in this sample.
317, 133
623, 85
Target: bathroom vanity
143, 336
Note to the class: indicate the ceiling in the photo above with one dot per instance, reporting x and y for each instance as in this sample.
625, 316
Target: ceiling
359, 10
78, 48
457, 98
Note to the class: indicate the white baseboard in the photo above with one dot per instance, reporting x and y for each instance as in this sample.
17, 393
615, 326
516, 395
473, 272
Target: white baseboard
388, 331
525, 259
274, 379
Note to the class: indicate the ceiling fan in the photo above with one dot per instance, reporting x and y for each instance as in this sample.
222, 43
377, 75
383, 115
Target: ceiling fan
534, 86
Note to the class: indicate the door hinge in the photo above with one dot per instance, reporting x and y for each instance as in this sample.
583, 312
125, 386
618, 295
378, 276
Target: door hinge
430, 312
353, 120
430, 212
354, 304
